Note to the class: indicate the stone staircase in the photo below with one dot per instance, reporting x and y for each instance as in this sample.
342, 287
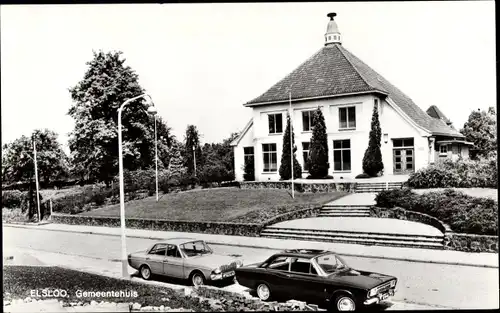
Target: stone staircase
353, 237
377, 187
332, 210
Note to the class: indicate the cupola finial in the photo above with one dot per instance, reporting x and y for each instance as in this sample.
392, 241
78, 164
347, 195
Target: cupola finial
332, 34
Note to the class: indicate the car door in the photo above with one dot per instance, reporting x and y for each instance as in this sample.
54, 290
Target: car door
304, 282
155, 258
173, 264
277, 275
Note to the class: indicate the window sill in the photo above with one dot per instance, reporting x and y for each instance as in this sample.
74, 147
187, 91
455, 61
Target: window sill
263, 173
341, 172
347, 129
275, 134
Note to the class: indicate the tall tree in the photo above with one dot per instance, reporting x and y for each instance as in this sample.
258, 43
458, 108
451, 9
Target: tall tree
481, 129
106, 84
192, 139
372, 160
318, 157
17, 158
176, 166
286, 163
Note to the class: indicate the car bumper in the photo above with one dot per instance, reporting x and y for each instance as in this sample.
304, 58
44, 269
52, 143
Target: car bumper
223, 276
380, 297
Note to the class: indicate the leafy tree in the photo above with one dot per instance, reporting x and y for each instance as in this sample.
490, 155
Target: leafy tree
218, 161
106, 84
285, 167
192, 139
176, 165
17, 158
318, 157
481, 129
372, 160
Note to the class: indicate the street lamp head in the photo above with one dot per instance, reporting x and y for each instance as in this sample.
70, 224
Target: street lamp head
152, 110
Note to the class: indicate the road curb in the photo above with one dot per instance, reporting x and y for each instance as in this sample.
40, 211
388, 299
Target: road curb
255, 246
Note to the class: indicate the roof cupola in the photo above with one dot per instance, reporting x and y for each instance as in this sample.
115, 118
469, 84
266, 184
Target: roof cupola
332, 34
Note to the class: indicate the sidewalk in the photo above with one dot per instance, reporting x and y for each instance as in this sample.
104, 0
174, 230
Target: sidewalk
391, 253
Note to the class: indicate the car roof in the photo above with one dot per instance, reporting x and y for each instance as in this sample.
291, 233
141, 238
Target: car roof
303, 253
178, 240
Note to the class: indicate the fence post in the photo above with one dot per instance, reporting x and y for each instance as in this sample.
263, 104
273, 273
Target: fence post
50, 208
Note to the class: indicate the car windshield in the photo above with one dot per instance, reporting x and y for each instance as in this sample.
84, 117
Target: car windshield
331, 263
195, 248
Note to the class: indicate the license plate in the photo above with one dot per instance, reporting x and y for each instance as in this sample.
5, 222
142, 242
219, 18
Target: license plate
383, 296
228, 274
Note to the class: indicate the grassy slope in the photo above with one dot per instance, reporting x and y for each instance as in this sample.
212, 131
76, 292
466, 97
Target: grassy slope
225, 204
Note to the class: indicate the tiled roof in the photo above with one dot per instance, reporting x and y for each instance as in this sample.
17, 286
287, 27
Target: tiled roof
332, 71
435, 112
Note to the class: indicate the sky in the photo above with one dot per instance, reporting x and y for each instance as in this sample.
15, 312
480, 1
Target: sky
202, 62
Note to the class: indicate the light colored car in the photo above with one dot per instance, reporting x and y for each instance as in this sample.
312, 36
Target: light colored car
184, 258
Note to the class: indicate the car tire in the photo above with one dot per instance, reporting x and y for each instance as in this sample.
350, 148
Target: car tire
343, 302
197, 279
263, 292
145, 272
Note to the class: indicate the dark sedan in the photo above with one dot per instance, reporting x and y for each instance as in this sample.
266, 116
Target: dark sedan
316, 276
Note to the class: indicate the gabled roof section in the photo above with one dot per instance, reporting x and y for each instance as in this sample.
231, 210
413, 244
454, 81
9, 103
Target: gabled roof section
434, 112
334, 71
242, 133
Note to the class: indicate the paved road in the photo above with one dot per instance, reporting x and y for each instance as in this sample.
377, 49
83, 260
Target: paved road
432, 284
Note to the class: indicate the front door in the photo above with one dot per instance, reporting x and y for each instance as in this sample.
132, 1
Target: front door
403, 160
173, 264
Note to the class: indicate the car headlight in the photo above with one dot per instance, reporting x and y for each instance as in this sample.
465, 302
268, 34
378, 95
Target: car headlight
217, 271
393, 283
372, 292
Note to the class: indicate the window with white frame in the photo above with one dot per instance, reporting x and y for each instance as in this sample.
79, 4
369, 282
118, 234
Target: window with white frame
443, 149
270, 155
307, 120
347, 117
275, 123
305, 155
342, 155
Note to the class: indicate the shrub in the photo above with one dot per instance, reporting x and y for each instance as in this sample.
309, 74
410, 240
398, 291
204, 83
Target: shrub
249, 170
364, 175
12, 199
464, 214
482, 173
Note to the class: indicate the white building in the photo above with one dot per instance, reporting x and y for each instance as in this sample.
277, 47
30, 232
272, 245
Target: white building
346, 89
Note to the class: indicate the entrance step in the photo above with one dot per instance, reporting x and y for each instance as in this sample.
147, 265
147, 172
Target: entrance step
331, 210
377, 187
365, 238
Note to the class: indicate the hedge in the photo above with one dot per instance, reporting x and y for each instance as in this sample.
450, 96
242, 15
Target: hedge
13, 198
464, 214
482, 173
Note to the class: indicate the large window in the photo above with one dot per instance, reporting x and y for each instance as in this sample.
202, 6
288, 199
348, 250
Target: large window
347, 117
307, 120
270, 157
305, 155
248, 154
342, 155
275, 123
443, 149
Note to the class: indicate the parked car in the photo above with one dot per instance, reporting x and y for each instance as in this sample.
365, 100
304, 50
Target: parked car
316, 276
184, 258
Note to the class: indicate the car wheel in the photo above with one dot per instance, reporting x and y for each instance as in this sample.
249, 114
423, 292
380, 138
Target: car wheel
263, 292
145, 272
197, 279
344, 302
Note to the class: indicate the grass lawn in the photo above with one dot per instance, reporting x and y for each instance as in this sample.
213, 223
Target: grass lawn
20, 280
473, 192
223, 205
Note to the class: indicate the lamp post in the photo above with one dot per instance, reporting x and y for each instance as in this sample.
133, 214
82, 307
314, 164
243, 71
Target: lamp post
156, 162
291, 138
194, 160
151, 109
36, 180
